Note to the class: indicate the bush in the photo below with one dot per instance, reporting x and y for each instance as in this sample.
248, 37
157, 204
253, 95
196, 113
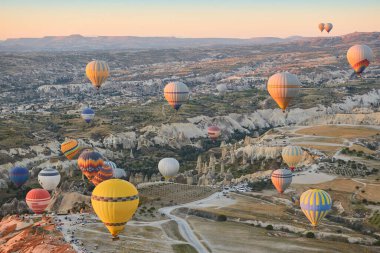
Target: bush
269, 227
221, 217
310, 235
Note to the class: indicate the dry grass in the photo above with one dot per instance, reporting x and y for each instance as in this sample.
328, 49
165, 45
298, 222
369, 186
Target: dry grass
372, 192
361, 148
339, 131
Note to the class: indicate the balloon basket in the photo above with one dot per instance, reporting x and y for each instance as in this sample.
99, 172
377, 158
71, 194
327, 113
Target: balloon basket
115, 238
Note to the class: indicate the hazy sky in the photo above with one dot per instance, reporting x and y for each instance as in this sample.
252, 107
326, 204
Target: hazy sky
195, 18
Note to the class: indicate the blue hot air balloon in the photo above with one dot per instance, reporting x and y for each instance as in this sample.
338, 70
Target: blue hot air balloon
88, 114
19, 175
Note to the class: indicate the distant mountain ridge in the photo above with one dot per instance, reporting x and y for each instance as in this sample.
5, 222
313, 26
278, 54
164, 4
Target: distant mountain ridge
81, 43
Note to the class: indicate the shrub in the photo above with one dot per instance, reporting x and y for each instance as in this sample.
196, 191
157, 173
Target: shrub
310, 235
269, 227
221, 217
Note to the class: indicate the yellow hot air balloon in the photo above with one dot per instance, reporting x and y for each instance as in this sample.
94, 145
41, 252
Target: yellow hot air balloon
321, 27
115, 201
315, 204
283, 87
292, 155
97, 72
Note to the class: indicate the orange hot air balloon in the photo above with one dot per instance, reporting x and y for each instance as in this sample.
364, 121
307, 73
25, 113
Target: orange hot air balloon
176, 93
90, 162
38, 200
283, 87
328, 27
213, 132
321, 27
104, 174
359, 57
97, 72
71, 149
281, 179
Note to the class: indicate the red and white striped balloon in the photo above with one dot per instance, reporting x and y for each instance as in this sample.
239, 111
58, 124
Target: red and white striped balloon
38, 200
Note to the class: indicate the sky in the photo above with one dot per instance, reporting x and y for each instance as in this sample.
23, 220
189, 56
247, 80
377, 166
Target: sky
190, 19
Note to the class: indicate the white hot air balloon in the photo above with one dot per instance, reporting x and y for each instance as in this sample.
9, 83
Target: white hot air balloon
119, 173
168, 167
49, 178
359, 57
111, 164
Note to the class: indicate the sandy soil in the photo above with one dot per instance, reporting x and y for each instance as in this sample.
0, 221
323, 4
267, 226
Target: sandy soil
342, 131
239, 238
311, 176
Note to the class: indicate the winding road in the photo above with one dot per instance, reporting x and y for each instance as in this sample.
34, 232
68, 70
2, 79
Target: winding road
184, 227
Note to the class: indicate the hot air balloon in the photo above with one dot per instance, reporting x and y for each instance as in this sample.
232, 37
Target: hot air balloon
283, 87
115, 201
321, 27
315, 204
213, 132
168, 167
176, 93
90, 162
88, 114
359, 57
292, 155
71, 149
49, 178
328, 27
19, 175
37, 200
281, 179
97, 72
110, 164
119, 173
103, 174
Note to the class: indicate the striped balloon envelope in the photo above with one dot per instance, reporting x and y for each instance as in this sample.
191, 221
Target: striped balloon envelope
283, 87
37, 200
97, 72
176, 93
71, 149
110, 164
103, 174
19, 175
315, 204
281, 179
49, 178
114, 202
90, 162
359, 57
88, 114
292, 155
213, 132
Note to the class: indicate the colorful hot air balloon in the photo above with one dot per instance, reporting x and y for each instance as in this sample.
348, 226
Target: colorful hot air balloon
315, 204
49, 178
88, 114
103, 174
321, 27
168, 167
283, 87
37, 200
328, 27
115, 201
90, 162
213, 132
97, 72
292, 155
176, 93
19, 175
110, 164
281, 179
359, 57
71, 149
